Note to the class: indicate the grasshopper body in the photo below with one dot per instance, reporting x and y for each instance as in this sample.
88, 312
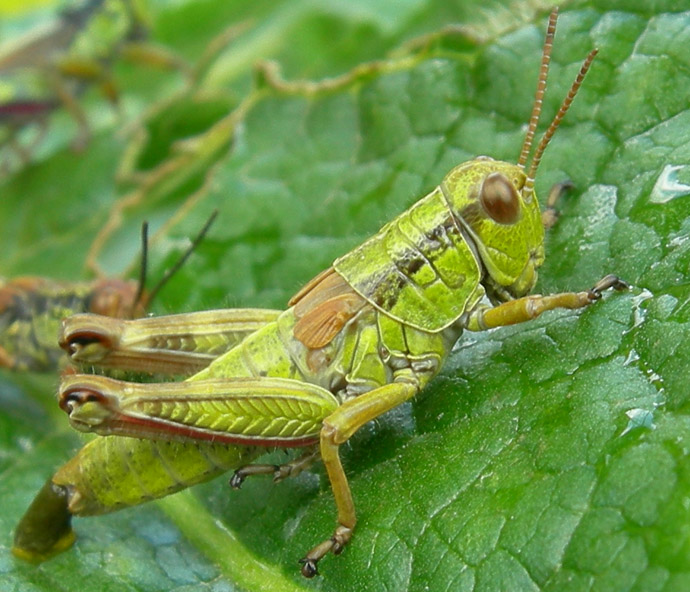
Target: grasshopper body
31, 309
359, 339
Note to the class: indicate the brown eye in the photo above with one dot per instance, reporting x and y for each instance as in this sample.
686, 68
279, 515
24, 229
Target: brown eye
500, 199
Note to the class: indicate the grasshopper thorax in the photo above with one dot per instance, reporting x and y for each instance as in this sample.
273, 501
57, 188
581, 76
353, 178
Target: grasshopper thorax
493, 204
479, 232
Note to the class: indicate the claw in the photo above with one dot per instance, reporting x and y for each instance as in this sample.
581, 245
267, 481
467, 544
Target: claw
609, 281
236, 480
335, 545
309, 569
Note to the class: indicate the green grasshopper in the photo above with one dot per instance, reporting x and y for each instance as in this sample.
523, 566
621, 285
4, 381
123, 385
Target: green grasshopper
31, 308
359, 339
49, 67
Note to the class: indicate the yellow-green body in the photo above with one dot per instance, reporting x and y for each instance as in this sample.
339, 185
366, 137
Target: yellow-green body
380, 346
424, 268
140, 470
358, 340
348, 366
383, 343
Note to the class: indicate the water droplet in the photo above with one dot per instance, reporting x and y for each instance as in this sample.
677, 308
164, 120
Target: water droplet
639, 308
667, 186
678, 241
639, 418
632, 358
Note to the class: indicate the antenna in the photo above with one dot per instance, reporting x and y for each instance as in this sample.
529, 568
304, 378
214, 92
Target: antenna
173, 270
546, 138
541, 88
144, 265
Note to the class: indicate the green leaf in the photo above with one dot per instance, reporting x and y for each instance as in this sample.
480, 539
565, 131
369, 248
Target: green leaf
547, 456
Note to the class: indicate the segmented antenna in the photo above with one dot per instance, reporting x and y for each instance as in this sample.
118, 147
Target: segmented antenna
170, 272
565, 105
541, 88
144, 265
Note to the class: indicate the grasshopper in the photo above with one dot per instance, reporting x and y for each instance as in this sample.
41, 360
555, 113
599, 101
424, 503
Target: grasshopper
49, 67
359, 339
31, 308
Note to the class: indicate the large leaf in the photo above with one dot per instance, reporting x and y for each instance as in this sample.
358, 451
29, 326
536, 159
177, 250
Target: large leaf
548, 456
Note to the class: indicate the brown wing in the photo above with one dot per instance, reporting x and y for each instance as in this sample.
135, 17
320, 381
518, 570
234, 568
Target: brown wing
323, 307
310, 286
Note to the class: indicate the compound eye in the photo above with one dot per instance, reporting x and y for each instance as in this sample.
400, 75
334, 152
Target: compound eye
500, 199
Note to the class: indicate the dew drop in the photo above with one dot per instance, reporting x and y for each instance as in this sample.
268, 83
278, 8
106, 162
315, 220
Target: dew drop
668, 187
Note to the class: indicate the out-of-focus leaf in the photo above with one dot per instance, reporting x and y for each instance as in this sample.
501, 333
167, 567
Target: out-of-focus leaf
548, 456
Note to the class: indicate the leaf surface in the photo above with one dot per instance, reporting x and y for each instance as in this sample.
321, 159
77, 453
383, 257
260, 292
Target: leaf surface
548, 456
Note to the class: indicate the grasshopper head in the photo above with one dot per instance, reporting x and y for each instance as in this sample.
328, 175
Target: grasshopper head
493, 203
116, 298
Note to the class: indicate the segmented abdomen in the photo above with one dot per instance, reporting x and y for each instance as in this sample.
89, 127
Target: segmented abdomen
141, 470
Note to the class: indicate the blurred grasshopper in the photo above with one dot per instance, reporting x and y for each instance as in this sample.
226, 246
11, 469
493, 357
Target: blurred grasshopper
31, 309
359, 339
48, 67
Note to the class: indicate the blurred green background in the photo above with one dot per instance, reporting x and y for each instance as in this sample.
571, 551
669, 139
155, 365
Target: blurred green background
549, 456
